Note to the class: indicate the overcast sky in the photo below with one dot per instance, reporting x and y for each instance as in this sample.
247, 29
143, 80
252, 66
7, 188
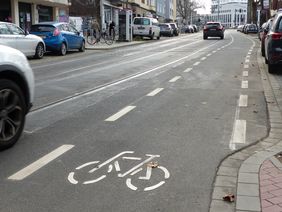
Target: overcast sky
207, 4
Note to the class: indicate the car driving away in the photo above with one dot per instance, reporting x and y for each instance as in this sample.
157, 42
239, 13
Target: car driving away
16, 94
213, 29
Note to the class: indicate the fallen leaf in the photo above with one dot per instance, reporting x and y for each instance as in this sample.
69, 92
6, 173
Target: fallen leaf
153, 164
229, 198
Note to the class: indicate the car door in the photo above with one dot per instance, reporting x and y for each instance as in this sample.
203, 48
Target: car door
70, 36
23, 42
77, 39
6, 36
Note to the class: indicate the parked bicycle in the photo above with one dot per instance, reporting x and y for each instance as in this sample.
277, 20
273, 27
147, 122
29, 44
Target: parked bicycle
107, 36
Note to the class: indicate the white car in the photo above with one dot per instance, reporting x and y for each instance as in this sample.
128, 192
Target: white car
13, 36
146, 27
16, 94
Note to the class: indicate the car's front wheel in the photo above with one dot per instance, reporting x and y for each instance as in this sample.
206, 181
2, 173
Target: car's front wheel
12, 113
82, 47
39, 51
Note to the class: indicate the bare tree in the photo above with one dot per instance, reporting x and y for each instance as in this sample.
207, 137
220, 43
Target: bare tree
185, 8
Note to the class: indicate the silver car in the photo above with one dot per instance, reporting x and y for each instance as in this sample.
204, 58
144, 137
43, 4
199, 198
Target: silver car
16, 94
13, 36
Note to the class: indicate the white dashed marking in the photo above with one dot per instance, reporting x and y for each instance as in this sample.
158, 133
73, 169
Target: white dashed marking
245, 73
174, 79
121, 113
243, 101
197, 63
155, 92
245, 84
188, 70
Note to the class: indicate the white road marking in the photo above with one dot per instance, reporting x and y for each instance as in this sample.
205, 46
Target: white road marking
247, 61
174, 79
136, 171
110, 168
179, 64
239, 136
130, 54
117, 166
25, 172
214, 51
131, 158
87, 164
218, 49
208, 54
148, 174
197, 63
249, 53
246, 66
155, 92
245, 73
94, 181
203, 58
243, 101
188, 70
129, 184
71, 178
121, 113
245, 84
248, 56
155, 186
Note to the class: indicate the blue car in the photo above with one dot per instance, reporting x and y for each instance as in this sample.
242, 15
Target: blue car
59, 37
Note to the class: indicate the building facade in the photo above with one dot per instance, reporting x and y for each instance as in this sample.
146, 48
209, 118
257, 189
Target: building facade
229, 12
24, 13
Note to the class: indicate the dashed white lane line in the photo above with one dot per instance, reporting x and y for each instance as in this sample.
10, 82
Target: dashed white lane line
248, 56
197, 63
249, 53
121, 113
246, 66
247, 61
203, 58
155, 92
239, 136
214, 51
245, 84
188, 70
245, 73
174, 79
208, 54
178, 64
25, 172
243, 101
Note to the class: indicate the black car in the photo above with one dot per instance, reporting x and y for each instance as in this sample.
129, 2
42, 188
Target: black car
251, 28
175, 29
273, 44
213, 29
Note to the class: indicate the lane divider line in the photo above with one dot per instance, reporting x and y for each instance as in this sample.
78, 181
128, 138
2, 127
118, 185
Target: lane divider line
247, 61
155, 92
30, 169
121, 113
188, 70
245, 84
174, 79
245, 73
243, 101
197, 63
246, 66
203, 58
179, 64
239, 136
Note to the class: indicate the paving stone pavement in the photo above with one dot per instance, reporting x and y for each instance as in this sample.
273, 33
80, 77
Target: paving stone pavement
253, 174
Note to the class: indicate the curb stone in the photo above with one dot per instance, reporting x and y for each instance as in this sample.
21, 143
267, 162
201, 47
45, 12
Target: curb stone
249, 159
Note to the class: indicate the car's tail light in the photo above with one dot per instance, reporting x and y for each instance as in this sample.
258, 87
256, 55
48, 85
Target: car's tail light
56, 32
276, 36
205, 28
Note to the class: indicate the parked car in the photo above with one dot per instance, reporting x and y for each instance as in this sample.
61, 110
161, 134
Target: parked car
59, 37
240, 28
15, 37
273, 44
251, 28
264, 30
175, 28
16, 94
146, 27
213, 29
166, 30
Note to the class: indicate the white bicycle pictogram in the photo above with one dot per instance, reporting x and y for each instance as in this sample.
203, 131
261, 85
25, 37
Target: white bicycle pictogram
113, 163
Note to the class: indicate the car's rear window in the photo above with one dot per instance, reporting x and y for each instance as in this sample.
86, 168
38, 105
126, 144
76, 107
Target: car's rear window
42, 28
213, 25
142, 21
172, 26
164, 26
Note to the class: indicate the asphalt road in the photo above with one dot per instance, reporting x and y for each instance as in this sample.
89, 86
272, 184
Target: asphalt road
182, 104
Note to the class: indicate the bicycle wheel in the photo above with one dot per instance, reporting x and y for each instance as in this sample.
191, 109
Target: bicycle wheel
108, 39
91, 39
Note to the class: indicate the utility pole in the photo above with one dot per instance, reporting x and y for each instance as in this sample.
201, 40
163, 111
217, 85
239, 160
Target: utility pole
218, 10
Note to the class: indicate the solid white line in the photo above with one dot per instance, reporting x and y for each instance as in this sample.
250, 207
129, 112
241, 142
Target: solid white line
121, 113
239, 136
197, 63
245, 73
245, 84
188, 70
243, 101
131, 158
25, 172
174, 79
155, 92
203, 58
246, 66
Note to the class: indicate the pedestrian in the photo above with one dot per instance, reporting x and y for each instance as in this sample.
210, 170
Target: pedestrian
112, 28
95, 26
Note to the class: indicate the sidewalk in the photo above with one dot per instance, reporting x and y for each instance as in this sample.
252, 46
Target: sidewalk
254, 174
115, 45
